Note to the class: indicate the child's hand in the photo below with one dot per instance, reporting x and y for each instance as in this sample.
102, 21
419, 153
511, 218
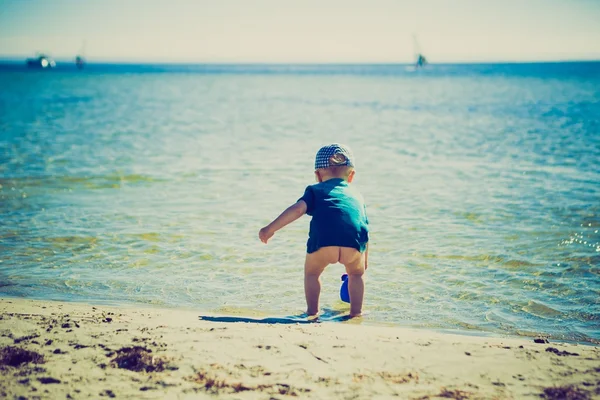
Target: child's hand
265, 234
290, 214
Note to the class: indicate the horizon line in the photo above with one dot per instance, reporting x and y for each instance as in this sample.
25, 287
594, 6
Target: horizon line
20, 59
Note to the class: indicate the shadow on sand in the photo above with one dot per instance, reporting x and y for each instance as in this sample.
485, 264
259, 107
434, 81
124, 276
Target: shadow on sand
327, 316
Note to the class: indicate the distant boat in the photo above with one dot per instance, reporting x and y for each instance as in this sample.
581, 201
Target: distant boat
79, 62
42, 61
420, 59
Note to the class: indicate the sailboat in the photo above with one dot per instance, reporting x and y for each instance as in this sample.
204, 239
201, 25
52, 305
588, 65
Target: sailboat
79, 60
420, 60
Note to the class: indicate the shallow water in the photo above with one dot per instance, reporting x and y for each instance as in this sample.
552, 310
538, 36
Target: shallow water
148, 184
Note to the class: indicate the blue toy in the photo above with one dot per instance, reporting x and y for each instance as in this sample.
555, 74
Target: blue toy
344, 295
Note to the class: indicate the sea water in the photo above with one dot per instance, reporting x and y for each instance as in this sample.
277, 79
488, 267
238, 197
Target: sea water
147, 184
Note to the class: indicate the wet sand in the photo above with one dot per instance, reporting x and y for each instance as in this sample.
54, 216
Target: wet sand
57, 350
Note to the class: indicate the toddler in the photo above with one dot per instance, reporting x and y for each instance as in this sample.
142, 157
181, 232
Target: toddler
338, 228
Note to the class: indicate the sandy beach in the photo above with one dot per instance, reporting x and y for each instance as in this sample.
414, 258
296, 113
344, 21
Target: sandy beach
54, 350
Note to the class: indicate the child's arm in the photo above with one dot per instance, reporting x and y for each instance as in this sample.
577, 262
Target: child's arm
367, 257
291, 214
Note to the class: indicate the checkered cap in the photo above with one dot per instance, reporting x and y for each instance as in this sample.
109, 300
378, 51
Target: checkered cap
326, 152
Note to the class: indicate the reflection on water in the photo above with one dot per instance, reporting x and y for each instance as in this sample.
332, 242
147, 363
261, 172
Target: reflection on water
482, 188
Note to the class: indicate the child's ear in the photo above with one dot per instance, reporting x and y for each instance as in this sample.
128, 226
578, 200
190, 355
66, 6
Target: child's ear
351, 176
318, 176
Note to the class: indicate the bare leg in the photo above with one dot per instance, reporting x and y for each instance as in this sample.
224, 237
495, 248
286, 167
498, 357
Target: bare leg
313, 268
356, 289
355, 268
312, 291
315, 264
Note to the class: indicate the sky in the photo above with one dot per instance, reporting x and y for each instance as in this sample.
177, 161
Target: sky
302, 31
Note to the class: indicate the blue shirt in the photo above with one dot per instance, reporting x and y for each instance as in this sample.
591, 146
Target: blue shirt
339, 216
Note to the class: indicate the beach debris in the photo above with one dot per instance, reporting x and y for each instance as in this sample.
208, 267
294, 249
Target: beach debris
47, 379
565, 393
560, 353
214, 384
255, 371
540, 339
399, 378
105, 317
108, 392
211, 382
24, 338
16, 356
455, 394
285, 389
389, 377
138, 359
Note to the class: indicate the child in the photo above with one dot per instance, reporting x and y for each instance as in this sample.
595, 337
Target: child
338, 229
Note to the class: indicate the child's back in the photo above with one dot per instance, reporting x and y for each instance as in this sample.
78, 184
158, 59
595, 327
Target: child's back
338, 215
